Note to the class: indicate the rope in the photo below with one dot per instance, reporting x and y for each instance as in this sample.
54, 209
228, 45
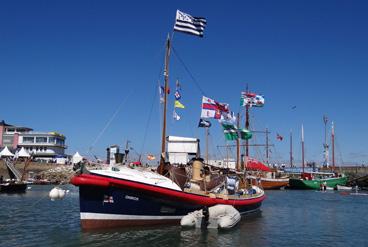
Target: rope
109, 122
147, 124
187, 70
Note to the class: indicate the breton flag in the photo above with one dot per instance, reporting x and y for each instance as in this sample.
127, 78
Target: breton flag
187, 24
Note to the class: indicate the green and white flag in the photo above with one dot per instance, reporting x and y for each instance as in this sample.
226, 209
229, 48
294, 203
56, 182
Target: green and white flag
230, 132
245, 134
233, 133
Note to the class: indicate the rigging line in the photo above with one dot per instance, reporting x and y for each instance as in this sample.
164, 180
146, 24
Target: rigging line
187, 70
339, 150
148, 121
109, 122
154, 98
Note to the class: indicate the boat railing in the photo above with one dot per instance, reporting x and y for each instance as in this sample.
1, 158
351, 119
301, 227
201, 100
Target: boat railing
12, 168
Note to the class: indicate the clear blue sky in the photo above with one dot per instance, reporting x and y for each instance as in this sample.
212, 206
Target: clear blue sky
67, 65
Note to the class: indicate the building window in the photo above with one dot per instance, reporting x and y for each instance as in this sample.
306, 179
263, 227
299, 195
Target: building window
52, 139
41, 139
59, 141
27, 139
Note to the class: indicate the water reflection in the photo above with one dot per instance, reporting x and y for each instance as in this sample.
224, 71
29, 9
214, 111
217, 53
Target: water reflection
288, 218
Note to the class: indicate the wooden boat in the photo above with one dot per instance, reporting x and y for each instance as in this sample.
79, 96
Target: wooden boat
15, 184
274, 183
317, 180
126, 196
13, 187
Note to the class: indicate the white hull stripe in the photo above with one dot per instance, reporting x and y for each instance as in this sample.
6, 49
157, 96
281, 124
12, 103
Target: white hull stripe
98, 216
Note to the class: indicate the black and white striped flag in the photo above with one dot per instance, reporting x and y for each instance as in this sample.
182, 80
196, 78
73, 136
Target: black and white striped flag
187, 24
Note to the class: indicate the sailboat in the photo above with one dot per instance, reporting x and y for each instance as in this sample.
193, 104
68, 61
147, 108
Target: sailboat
123, 196
269, 178
319, 180
15, 184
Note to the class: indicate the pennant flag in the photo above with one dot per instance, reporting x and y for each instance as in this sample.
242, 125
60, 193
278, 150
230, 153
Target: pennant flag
230, 132
161, 92
151, 157
177, 84
251, 99
191, 25
279, 137
178, 104
204, 123
176, 116
177, 94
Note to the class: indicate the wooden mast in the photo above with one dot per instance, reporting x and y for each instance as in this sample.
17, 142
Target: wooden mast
333, 146
267, 153
206, 145
247, 128
303, 148
166, 77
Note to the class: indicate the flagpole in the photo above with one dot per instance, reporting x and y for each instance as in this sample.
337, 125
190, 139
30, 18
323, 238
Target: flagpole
166, 76
247, 126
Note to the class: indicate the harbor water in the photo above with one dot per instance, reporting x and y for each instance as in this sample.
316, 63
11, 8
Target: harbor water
288, 218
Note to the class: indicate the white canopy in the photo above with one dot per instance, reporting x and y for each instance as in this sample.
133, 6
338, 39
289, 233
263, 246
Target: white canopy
77, 158
23, 153
6, 153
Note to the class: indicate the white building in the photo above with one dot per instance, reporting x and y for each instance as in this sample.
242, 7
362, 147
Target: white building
42, 145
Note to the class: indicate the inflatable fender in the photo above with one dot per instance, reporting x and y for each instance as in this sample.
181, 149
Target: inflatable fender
190, 220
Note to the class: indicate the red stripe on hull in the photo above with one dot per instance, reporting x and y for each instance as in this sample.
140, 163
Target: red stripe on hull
94, 180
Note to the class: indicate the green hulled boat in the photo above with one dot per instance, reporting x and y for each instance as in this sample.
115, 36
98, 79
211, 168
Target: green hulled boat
315, 184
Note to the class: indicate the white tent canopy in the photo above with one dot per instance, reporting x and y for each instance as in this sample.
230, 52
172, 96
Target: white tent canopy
23, 153
77, 158
6, 153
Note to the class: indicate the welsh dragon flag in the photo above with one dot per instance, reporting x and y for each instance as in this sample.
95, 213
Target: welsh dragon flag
233, 133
